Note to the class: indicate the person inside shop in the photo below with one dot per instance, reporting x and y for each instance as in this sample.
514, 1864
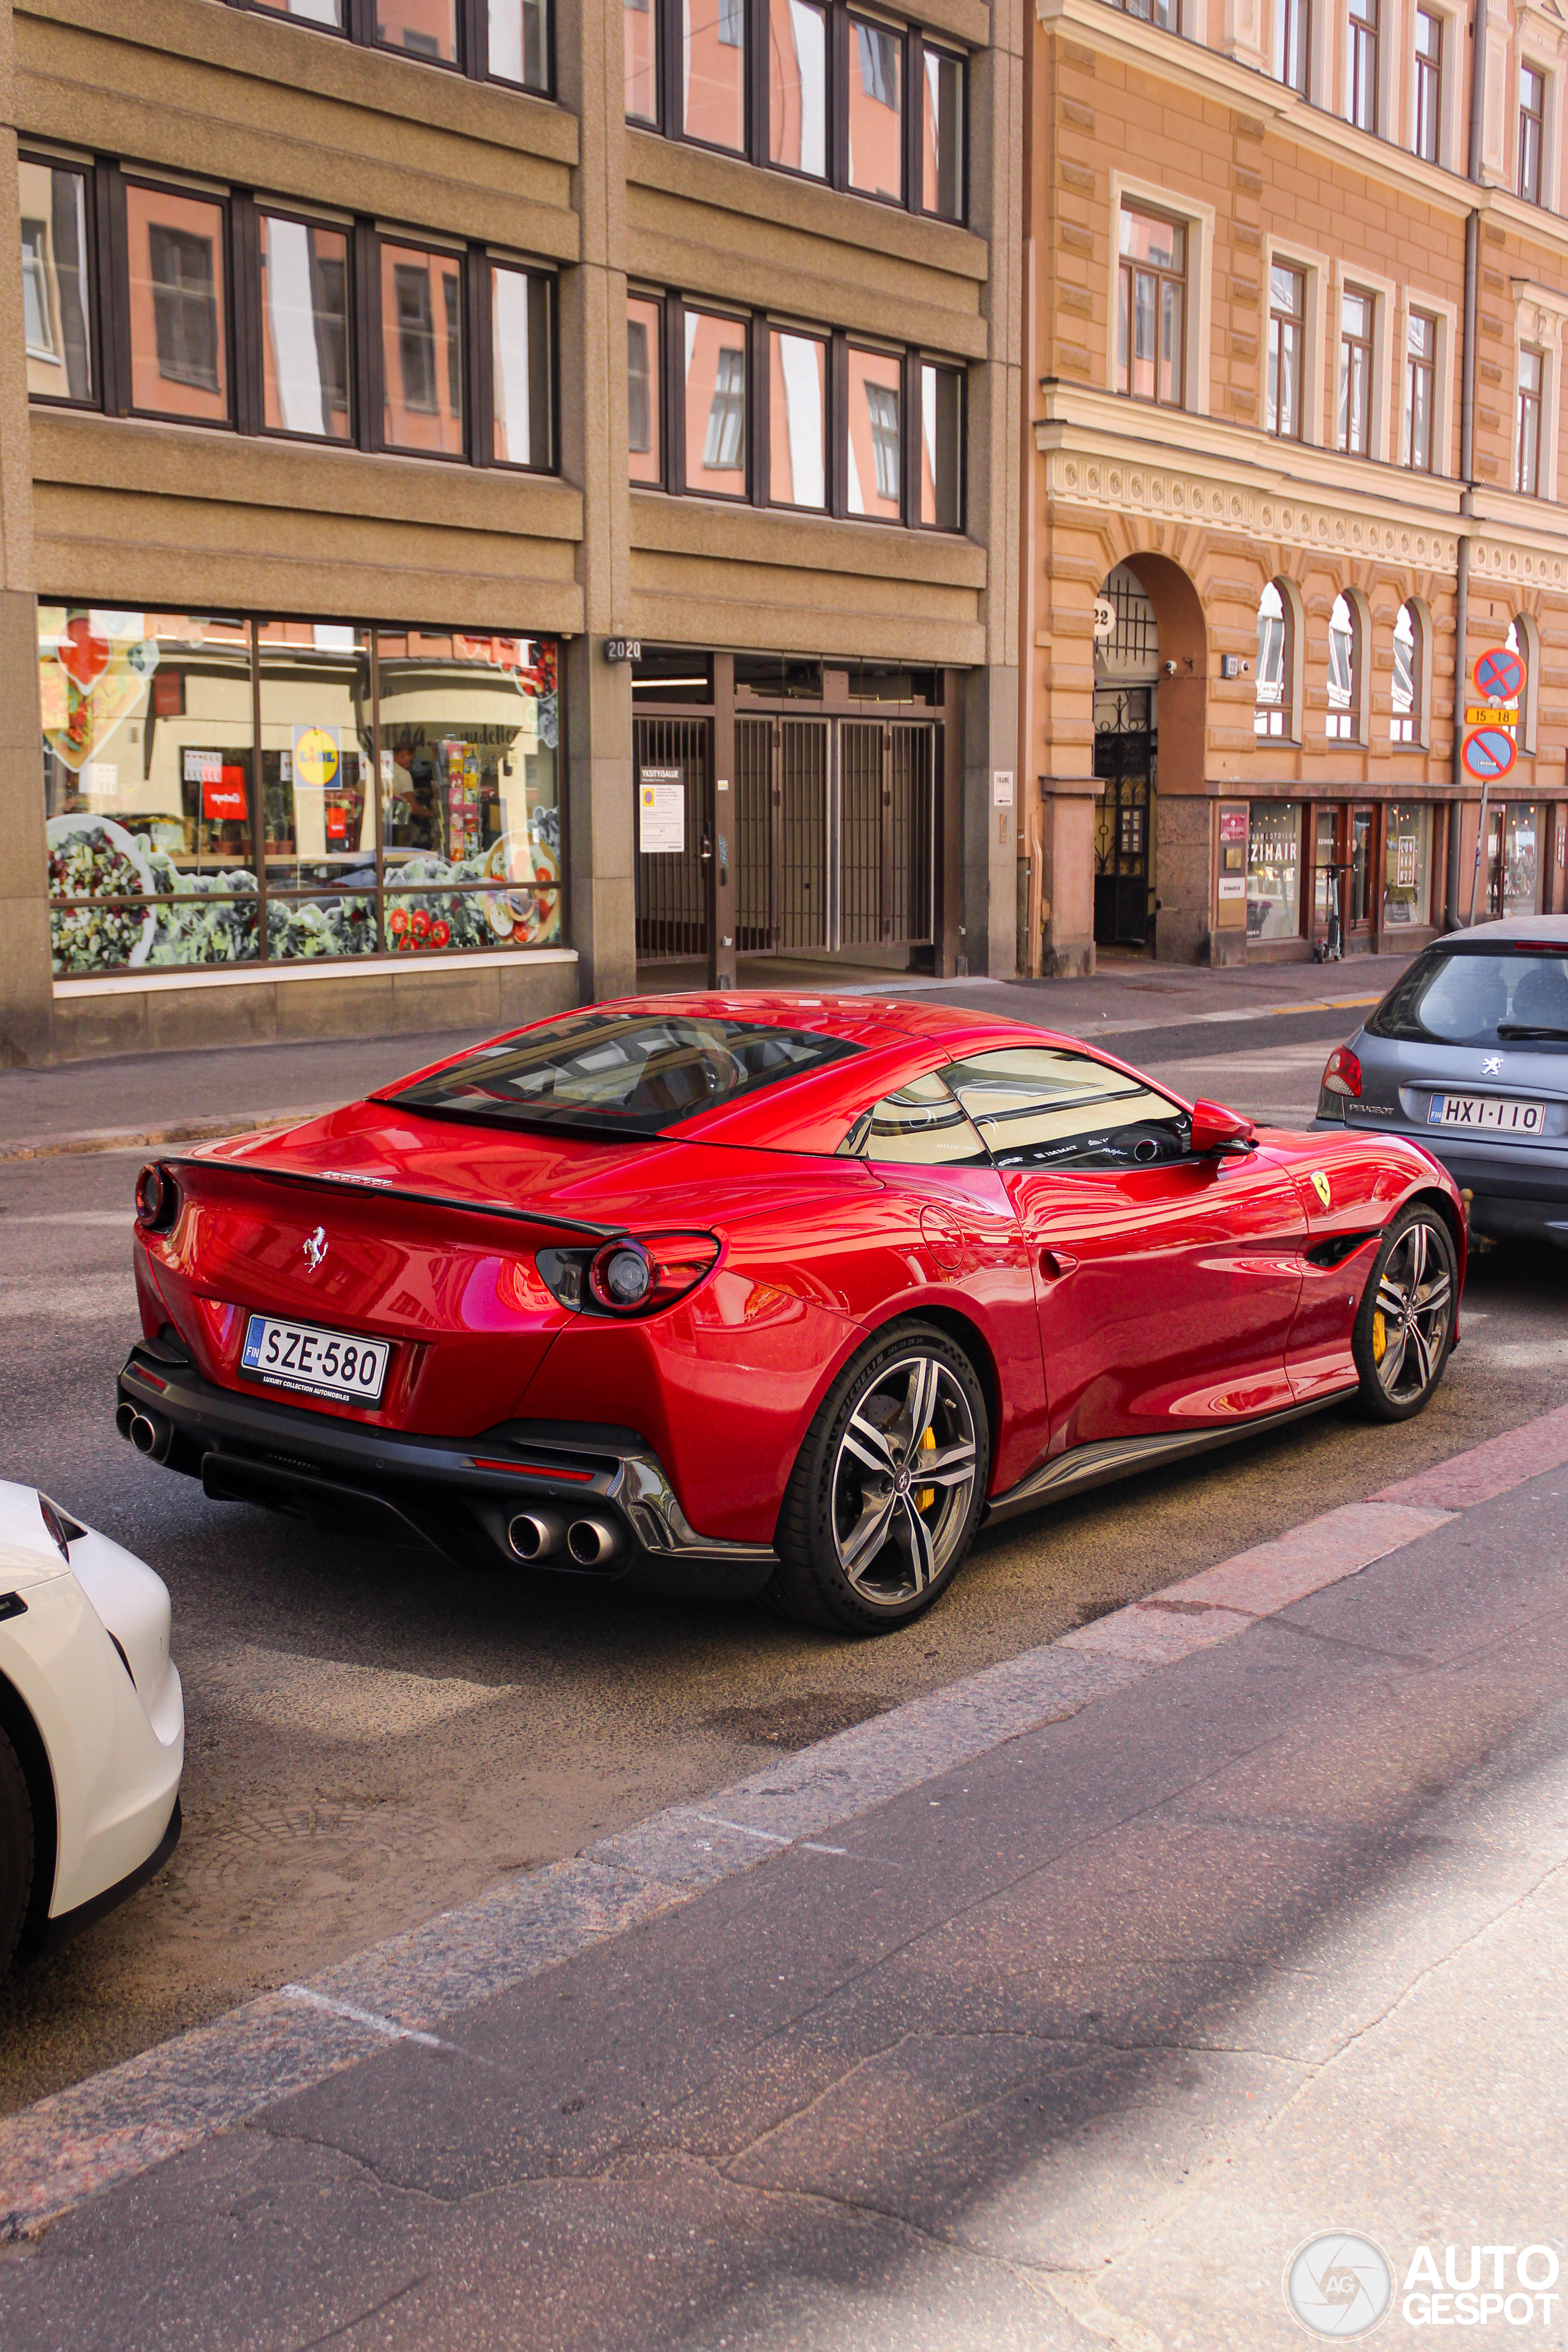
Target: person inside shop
414, 816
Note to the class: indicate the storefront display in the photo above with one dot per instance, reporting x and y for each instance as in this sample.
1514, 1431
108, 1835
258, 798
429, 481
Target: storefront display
1517, 887
1407, 865
1274, 871
166, 737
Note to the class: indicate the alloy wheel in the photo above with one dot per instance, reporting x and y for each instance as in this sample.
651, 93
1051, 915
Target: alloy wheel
1411, 1315
902, 1480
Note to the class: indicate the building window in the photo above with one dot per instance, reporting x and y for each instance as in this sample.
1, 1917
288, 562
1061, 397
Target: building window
1531, 132
1527, 423
941, 449
178, 312
502, 40
523, 369
875, 445
305, 329
1345, 673
797, 420
1274, 870
1360, 63
422, 354
643, 343
176, 836
876, 110
1420, 392
1151, 12
1358, 314
943, 111
57, 283
1150, 331
1287, 345
831, 97
715, 405
797, 86
1407, 866
1271, 696
1428, 91
1292, 43
1406, 697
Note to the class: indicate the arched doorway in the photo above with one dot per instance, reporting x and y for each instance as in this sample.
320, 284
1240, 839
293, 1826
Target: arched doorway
1126, 743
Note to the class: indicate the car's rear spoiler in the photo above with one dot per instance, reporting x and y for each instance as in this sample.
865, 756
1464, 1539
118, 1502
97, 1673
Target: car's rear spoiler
341, 1180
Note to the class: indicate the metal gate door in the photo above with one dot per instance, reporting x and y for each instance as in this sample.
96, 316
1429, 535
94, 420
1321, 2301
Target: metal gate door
781, 818
672, 884
1124, 764
885, 817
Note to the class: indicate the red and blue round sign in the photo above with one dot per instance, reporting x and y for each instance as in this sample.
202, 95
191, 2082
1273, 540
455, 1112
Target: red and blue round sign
1498, 673
1488, 752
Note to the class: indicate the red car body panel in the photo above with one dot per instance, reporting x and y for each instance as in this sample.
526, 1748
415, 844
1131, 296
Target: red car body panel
1099, 1306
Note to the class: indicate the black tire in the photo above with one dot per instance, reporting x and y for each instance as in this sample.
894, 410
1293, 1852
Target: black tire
15, 1851
865, 1543
1405, 1325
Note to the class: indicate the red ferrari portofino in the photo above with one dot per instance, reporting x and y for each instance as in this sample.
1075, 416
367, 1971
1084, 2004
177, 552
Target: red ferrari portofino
766, 1294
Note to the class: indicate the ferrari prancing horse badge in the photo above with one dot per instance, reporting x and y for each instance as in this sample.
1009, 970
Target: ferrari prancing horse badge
1321, 1186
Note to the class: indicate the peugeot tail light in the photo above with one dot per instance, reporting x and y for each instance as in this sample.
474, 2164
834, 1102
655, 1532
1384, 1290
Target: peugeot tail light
1342, 1074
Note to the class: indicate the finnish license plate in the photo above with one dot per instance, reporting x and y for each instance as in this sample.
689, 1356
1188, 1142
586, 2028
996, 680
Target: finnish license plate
324, 1363
1488, 1111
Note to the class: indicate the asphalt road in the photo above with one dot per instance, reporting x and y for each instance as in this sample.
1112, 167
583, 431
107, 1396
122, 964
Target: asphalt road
373, 1738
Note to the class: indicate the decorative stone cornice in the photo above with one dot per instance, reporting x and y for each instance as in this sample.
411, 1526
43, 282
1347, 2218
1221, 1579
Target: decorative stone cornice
1531, 565
1122, 487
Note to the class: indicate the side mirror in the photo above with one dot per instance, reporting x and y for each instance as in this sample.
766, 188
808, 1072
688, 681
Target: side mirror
1214, 1129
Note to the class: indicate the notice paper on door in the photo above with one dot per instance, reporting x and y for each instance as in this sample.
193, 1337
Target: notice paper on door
661, 811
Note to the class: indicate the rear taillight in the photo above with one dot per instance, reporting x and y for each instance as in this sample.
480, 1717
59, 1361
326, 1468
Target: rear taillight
1342, 1074
157, 1199
636, 1274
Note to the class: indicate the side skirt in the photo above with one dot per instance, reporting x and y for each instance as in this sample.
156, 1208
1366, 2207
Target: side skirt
1121, 1458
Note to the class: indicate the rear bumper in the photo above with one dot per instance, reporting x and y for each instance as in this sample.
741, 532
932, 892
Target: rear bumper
1514, 1192
463, 1497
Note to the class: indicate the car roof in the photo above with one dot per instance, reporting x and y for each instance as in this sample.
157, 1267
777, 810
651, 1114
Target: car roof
1551, 930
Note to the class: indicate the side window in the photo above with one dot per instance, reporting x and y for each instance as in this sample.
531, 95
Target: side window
1045, 1106
921, 1127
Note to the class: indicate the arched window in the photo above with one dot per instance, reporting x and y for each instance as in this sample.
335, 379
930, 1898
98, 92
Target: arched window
1344, 672
1524, 639
1407, 696
1271, 702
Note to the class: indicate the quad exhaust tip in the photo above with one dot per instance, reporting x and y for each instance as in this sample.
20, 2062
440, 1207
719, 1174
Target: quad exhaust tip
534, 1535
149, 1433
592, 1543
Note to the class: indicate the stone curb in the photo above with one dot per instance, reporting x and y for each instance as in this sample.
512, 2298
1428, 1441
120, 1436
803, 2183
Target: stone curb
151, 1139
78, 2142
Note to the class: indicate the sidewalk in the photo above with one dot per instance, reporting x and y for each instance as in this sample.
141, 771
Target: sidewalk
1058, 2010
141, 1101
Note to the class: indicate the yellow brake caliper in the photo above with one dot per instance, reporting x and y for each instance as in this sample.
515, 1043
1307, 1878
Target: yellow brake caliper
927, 1495
1379, 1336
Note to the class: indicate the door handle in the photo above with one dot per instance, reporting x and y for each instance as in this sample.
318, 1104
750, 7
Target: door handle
1055, 1263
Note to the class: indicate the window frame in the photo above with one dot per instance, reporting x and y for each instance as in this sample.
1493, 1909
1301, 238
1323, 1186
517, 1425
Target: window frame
472, 62
1351, 726
659, 379
484, 265
91, 293
1284, 709
1426, 87
1292, 34
1526, 146
228, 306
1351, 291
1412, 368
1364, 62
260, 211
1527, 402
1298, 319
1416, 721
1127, 269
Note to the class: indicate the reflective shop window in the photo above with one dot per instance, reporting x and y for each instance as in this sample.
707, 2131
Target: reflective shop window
645, 319
942, 135
148, 787
941, 448
310, 12
1041, 1107
876, 110
57, 294
521, 368
797, 86
715, 405
421, 28
179, 359
1516, 870
422, 350
713, 72
470, 790
922, 1126
1274, 870
875, 454
319, 838
641, 35
1407, 859
305, 329
797, 420
518, 42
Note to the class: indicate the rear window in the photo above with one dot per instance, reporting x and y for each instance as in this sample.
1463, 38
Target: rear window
619, 1073
1459, 995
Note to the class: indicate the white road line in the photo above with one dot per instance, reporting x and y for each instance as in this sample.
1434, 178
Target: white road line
769, 1837
367, 2017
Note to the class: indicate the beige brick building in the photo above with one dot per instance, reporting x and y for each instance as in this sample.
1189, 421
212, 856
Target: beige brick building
1294, 298
496, 495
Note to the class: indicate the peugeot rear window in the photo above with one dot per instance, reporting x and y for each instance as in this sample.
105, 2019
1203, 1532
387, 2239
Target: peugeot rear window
620, 1073
1457, 994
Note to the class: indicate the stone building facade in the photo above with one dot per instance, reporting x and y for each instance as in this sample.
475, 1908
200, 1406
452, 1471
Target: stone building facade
1294, 319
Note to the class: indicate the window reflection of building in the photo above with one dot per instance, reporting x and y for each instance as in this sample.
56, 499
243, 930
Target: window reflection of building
1407, 858
643, 345
797, 420
55, 262
304, 309
942, 135
715, 405
178, 304
1403, 726
521, 368
425, 28
876, 110
797, 86
713, 73
874, 452
1271, 715
941, 449
1345, 673
422, 330
641, 35
1274, 870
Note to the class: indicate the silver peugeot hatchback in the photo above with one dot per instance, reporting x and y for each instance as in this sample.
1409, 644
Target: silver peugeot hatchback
1468, 1053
